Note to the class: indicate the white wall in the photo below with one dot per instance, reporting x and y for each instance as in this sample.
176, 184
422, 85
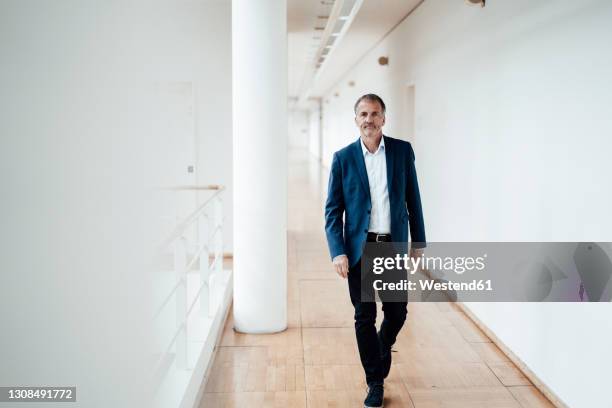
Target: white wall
213, 46
512, 121
79, 157
194, 44
298, 129
314, 130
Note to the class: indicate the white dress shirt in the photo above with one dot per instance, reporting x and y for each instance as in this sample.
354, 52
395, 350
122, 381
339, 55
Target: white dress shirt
376, 166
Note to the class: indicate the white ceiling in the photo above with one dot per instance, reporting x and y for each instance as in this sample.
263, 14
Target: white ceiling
303, 38
372, 22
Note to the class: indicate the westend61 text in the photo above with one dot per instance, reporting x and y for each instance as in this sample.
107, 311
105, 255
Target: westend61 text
431, 285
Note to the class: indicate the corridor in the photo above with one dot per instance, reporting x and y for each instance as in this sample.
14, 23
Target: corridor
165, 168
442, 359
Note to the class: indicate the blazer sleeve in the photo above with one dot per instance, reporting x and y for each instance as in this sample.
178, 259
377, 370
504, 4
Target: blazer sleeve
413, 204
334, 210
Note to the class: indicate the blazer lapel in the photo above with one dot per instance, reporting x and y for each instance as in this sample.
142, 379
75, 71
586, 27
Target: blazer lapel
361, 168
389, 156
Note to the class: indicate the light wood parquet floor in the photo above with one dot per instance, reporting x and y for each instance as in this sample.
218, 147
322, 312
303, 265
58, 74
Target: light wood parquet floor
442, 359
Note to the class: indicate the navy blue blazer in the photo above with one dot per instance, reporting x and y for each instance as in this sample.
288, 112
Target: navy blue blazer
348, 194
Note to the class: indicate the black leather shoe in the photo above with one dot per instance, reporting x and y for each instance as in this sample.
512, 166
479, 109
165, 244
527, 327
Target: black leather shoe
375, 396
385, 354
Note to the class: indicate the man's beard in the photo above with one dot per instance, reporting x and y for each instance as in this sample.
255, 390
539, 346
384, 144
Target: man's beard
370, 131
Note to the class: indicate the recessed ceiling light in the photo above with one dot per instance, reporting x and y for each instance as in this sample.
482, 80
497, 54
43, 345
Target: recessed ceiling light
480, 3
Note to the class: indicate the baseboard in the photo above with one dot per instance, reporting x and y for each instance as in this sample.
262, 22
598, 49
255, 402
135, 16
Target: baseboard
520, 364
227, 305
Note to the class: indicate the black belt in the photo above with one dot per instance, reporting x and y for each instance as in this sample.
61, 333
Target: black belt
374, 237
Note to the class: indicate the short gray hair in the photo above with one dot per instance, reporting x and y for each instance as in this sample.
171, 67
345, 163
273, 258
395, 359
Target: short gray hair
371, 98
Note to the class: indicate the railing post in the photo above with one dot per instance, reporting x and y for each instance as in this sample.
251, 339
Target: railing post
203, 242
219, 236
180, 264
214, 298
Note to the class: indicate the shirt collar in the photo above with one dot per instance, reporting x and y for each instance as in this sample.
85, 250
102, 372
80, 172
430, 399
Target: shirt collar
381, 145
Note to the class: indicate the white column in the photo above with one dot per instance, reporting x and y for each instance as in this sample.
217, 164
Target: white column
259, 42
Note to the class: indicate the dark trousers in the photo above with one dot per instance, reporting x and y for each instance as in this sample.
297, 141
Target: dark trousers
365, 327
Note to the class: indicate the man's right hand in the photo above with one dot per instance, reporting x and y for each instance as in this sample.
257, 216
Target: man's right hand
341, 264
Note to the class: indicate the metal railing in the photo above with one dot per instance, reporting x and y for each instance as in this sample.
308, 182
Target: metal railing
204, 256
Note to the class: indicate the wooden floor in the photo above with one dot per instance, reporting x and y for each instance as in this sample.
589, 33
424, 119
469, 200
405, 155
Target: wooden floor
442, 359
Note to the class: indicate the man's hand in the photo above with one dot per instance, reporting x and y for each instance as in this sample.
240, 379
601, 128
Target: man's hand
416, 252
341, 265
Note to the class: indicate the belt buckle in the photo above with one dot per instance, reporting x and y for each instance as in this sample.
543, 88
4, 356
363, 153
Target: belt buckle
379, 235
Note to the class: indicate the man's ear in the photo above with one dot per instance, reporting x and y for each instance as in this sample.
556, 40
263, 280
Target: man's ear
357, 123
384, 120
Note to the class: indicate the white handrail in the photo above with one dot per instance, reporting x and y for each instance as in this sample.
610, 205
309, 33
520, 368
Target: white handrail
209, 187
180, 229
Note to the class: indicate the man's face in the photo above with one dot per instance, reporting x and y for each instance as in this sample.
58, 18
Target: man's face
370, 118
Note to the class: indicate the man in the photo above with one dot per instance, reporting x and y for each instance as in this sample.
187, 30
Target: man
373, 183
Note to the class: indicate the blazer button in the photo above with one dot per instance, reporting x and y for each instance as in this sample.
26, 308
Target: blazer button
365, 230
369, 211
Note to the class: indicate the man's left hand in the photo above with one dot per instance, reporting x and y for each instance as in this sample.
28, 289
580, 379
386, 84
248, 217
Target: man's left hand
416, 252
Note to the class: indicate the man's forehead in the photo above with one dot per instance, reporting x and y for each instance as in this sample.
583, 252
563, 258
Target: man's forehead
369, 106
